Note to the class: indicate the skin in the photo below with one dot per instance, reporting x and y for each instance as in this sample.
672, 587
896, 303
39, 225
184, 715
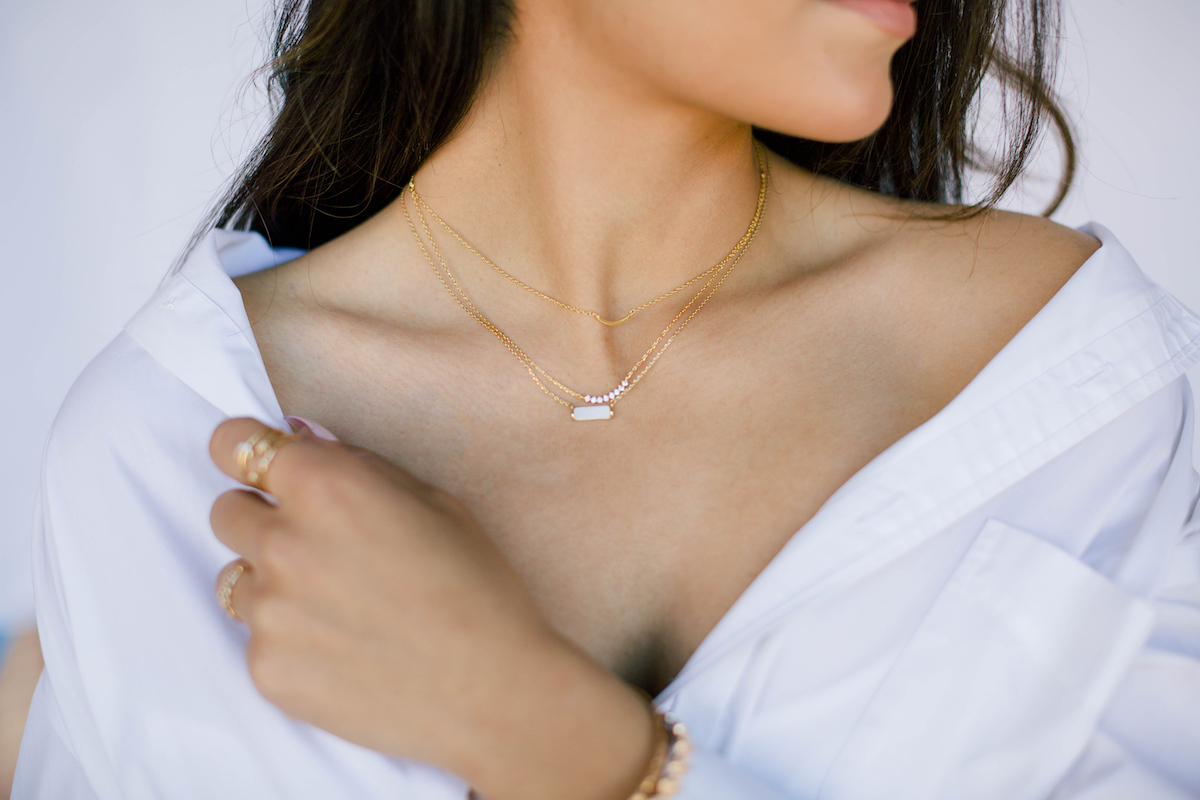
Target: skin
607, 159
19, 672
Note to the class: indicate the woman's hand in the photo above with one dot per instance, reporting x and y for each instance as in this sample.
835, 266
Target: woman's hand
380, 611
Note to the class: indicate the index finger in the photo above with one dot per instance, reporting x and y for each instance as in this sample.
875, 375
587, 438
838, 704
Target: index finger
304, 463
234, 434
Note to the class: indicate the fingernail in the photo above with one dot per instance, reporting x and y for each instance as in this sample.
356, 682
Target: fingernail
307, 429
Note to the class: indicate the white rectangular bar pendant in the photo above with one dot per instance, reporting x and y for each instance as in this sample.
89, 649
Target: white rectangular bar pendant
589, 413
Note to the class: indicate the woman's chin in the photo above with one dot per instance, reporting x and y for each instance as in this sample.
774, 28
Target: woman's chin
836, 121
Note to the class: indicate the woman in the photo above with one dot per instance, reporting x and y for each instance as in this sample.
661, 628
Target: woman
902, 512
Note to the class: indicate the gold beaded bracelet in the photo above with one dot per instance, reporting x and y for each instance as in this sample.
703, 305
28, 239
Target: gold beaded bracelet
668, 762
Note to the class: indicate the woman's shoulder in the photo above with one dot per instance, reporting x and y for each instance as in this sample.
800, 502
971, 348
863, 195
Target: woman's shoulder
949, 298
982, 282
1000, 263
924, 269
997, 263
977, 282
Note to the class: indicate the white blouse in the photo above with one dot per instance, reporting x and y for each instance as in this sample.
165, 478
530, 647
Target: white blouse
1004, 604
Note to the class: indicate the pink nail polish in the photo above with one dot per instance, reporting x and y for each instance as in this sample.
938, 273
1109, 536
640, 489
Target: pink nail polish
317, 429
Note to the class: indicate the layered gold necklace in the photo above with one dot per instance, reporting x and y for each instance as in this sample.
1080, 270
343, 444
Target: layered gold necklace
585, 407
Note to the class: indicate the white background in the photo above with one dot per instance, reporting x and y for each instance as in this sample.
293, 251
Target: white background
119, 121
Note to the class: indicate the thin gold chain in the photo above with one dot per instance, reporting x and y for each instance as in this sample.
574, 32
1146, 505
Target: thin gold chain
424, 207
631, 379
464, 301
633, 376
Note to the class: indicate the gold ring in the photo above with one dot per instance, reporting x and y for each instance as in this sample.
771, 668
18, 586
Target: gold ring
254, 456
229, 578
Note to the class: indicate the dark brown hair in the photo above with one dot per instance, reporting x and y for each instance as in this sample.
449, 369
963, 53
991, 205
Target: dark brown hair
365, 90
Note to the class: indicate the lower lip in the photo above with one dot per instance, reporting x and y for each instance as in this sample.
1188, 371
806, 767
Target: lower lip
895, 17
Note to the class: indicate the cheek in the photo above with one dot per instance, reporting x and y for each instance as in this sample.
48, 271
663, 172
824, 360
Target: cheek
802, 67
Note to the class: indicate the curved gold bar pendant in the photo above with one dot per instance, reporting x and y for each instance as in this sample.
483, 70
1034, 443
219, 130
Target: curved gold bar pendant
612, 323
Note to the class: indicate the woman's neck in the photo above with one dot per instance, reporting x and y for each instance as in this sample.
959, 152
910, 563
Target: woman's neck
588, 183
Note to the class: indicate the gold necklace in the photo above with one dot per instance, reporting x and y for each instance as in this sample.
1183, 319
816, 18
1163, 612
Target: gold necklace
424, 207
597, 407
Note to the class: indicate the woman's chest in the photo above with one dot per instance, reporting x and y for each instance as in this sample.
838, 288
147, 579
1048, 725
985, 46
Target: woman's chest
634, 535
